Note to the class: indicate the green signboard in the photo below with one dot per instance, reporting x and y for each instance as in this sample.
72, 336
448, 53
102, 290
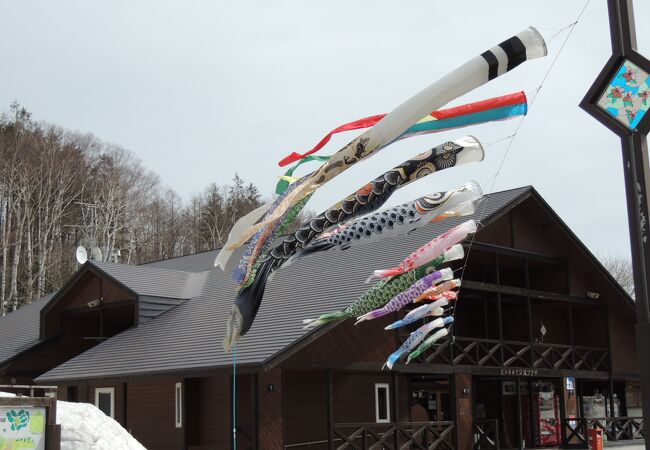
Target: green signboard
22, 427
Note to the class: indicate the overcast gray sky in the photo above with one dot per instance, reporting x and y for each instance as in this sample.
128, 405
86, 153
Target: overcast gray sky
199, 90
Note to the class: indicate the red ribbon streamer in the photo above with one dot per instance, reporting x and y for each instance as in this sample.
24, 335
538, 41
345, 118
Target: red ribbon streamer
505, 100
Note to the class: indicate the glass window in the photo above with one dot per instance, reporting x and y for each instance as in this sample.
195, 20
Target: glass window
382, 403
179, 405
105, 400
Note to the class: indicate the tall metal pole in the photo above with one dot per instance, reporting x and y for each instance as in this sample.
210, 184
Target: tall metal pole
636, 170
635, 163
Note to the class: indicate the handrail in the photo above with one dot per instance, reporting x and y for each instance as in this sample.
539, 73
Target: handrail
481, 352
575, 430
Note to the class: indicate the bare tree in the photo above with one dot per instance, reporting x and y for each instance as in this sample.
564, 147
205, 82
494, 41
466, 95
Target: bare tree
621, 269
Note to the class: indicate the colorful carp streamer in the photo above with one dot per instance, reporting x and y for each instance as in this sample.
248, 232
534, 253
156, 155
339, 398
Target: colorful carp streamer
411, 295
397, 220
490, 110
431, 309
415, 338
262, 241
378, 295
435, 292
428, 251
428, 343
366, 199
370, 228
374, 194
492, 63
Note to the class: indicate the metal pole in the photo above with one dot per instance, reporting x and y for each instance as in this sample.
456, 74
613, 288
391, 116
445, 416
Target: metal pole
636, 167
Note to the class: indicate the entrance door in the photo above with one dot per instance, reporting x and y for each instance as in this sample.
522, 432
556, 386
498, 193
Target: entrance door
430, 399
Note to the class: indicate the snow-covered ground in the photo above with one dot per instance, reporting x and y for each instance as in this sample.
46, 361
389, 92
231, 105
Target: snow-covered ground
85, 427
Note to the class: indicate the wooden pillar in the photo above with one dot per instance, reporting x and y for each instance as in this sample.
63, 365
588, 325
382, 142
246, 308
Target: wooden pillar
330, 409
520, 431
254, 390
464, 410
269, 413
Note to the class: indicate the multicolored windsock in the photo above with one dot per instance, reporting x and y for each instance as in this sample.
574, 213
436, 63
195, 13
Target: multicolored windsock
490, 64
490, 110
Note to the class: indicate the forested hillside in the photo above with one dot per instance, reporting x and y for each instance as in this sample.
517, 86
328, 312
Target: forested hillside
60, 189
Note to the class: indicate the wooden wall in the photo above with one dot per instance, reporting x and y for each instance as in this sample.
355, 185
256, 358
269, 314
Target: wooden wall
366, 342
85, 289
305, 406
270, 410
150, 415
207, 406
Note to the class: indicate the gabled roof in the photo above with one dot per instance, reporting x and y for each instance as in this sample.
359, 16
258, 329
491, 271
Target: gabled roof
189, 337
154, 281
19, 329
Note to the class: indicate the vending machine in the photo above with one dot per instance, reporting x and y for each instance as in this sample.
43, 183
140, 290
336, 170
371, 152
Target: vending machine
546, 416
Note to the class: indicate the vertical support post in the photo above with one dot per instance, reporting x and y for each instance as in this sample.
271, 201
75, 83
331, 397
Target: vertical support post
101, 309
571, 336
500, 314
636, 164
530, 332
499, 310
464, 410
330, 409
254, 397
485, 319
393, 382
520, 432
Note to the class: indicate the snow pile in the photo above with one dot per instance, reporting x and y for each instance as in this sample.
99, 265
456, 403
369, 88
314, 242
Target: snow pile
85, 427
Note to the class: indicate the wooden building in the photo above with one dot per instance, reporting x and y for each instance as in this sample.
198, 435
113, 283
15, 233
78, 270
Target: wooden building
543, 347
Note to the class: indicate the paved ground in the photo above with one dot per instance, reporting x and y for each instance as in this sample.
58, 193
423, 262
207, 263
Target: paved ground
629, 445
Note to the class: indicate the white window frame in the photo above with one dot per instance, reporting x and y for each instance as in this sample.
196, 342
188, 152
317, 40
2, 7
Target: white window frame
178, 405
379, 386
106, 390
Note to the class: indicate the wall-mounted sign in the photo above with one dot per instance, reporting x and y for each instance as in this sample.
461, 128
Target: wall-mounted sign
22, 427
570, 383
518, 372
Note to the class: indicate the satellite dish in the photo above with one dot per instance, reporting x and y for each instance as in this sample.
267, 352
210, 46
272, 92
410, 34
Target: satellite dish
81, 254
96, 254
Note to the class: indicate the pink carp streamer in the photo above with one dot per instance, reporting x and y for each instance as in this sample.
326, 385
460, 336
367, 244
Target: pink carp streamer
421, 286
428, 251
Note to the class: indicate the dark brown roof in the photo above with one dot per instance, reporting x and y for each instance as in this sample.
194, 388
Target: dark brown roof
189, 337
19, 329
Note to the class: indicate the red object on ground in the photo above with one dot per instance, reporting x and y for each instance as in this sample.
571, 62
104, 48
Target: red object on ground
596, 435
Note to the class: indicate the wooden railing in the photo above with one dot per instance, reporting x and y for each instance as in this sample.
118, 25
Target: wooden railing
395, 436
466, 351
576, 431
486, 434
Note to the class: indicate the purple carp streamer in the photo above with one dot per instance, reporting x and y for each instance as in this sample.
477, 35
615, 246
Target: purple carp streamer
379, 294
415, 338
408, 296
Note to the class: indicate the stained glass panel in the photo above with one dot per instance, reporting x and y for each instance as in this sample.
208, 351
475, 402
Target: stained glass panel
627, 95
